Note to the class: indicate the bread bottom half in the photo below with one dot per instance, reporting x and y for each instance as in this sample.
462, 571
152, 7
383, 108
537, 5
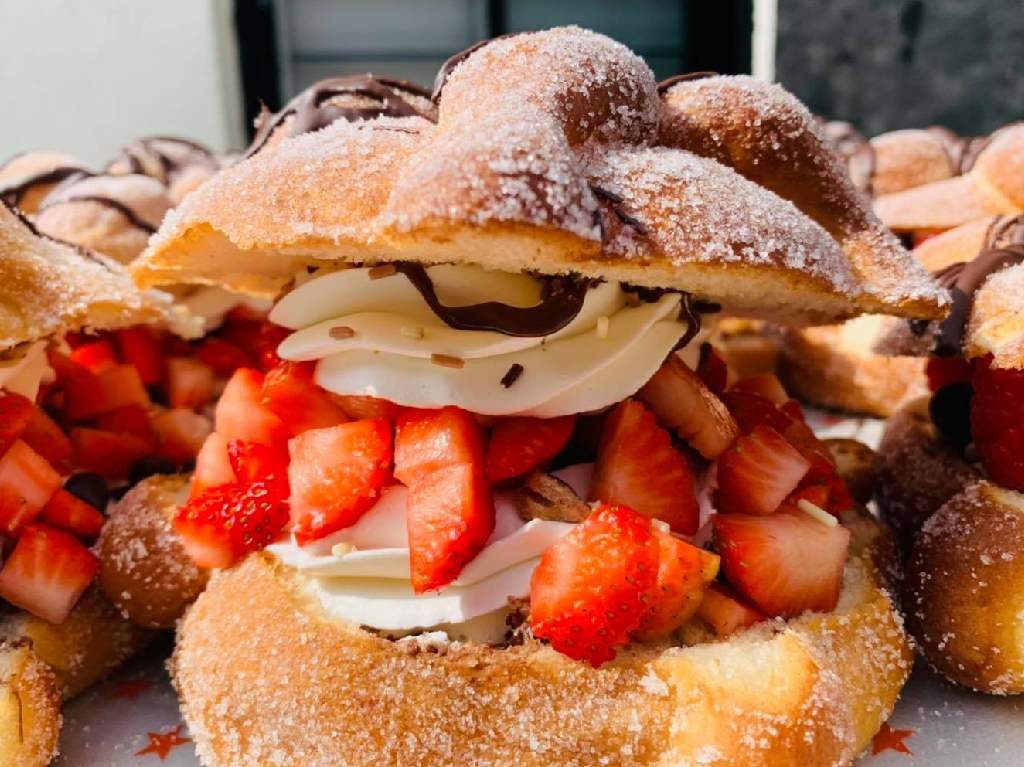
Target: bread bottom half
266, 678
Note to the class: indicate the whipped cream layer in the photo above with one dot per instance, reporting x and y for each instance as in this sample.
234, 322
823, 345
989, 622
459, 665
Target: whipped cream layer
210, 305
379, 337
361, 574
24, 369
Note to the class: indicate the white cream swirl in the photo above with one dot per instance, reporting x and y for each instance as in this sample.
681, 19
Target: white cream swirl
379, 337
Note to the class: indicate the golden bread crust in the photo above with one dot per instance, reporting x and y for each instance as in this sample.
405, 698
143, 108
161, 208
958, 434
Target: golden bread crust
908, 158
29, 708
810, 692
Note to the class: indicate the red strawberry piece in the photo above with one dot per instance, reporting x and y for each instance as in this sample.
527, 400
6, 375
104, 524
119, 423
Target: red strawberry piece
766, 385
15, 415
91, 395
224, 523
725, 613
712, 369
70, 513
26, 483
783, 563
213, 465
816, 494
130, 419
222, 357
269, 338
289, 391
823, 465
253, 462
47, 438
682, 402
243, 333
794, 410
180, 434
752, 410
95, 356
840, 498
359, 408
189, 382
336, 475
997, 422
242, 415
592, 587
757, 473
141, 348
684, 571
637, 466
47, 573
943, 371
449, 517
520, 445
105, 453
246, 313
428, 440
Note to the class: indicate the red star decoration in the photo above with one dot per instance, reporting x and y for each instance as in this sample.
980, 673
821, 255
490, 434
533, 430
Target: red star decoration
129, 690
162, 744
889, 739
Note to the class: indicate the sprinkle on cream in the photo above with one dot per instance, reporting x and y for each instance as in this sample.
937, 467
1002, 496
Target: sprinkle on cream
384, 270
413, 332
602, 327
447, 361
816, 512
341, 332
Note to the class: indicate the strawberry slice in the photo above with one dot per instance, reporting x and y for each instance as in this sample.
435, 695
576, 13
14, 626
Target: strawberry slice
943, 371
289, 392
591, 588
140, 348
449, 517
95, 356
180, 434
752, 410
428, 440
785, 563
757, 473
520, 445
268, 338
360, 407
130, 419
637, 466
253, 462
43, 435
16, 413
223, 524
222, 357
814, 451
712, 369
47, 573
683, 403
107, 454
684, 571
70, 513
87, 396
725, 613
765, 385
189, 383
997, 422
26, 483
213, 466
242, 415
336, 475
840, 498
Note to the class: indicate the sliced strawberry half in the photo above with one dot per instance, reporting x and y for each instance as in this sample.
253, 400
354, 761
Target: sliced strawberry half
47, 573
108, 454
140, 347
520, 445
684, 571
765, 385
997, 422
638, 467
43, 435
253, 462
242, 415
189, 383
752, 410
213, 466
681, 401
725, 613
26, 483
336, 475
592, 587
15, 414
428, 440
180, 434
449, 517
95, 356
757, 473
70, 513
87, 396
291, 394
712, 369
130, 419
222, 357
784, 563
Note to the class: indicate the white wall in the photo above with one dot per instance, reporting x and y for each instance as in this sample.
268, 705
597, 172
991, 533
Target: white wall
85, 76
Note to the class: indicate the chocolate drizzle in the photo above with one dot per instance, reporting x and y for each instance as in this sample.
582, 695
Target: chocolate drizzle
15, 194
108, 202
135, 155
666, 85
614, 202
82, 251
316, 107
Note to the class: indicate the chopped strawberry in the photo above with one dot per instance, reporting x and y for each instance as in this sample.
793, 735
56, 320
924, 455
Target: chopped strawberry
180, 434
712, 369
68, 512
47, 438
794, 410
213, 465
107, 454
224, 523
140, 347
222, 357
751, 410
359, 408
245, 312
757, 473
591, 588
449, 517
682, 402
766, 385
814, 451
95, 356
26, 483
15, 414
428, 440
520, 445
637, 466
189, 382
253, 462
91, 395
47, 573
336, 475
684, 571
840, 498
725, 613
242, 415
943, 371
784, 563
243, 333
289, 391
130, 419
269, 338
997, 422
